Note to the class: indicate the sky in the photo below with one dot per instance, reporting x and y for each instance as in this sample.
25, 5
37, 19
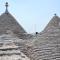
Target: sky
32, 15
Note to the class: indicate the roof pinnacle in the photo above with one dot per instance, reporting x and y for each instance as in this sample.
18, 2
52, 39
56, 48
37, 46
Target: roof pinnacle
6, 4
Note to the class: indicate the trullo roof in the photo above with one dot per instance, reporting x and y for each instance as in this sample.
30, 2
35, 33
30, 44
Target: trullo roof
8, 22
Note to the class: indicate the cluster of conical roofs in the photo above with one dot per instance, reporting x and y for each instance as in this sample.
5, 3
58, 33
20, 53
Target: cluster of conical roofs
8, 22
44, 46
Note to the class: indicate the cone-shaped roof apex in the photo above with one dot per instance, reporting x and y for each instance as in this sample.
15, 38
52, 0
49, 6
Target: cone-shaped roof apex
54, 23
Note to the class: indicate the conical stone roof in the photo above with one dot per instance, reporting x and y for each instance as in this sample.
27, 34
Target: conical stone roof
10, 49
53, 24
8, 22
46, 46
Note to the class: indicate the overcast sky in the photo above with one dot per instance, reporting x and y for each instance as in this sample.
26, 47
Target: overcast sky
33, 15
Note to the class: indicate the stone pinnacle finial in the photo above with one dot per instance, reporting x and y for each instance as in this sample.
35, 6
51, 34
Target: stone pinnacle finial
6, 7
